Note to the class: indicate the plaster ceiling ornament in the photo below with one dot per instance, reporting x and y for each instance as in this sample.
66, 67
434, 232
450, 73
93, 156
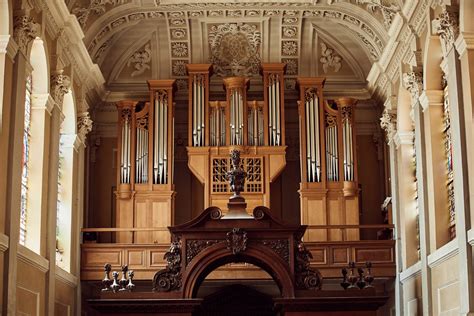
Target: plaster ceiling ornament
235, 49
60, 85
289, 48
447, 27
329, 59
291, 65
95, 7
413, 82
84, 125
141, 60
387, 9
289, 31
179, 49
178, 67
25, 30
388, 122
178, 34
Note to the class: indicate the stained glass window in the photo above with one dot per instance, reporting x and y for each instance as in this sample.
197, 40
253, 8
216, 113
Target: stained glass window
448, 149
59, 250
25, 160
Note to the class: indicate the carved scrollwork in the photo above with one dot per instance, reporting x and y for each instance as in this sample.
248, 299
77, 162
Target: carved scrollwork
194, 247
447, 27
236, 240
413, 82
141, 61
280, 246
169, 279
306, 277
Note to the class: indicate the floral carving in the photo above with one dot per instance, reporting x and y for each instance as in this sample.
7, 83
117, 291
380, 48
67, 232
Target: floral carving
95, 7
289, 31
179, 49
329, 59
413, 82
178, 34
25, 30
235, 49
194, 247
388, 122
388, 10
291, 66
84, 125
447, 27
289, 48
141, 60
178, 67
279, 246
60, 85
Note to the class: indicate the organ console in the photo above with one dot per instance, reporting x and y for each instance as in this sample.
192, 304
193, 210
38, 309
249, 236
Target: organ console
328, 189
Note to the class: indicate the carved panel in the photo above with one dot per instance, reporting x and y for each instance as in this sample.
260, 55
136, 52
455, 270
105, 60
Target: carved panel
194, 247
280, 246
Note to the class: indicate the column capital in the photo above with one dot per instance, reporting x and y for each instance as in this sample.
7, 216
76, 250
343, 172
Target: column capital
60, 85
413, 82
464, 42
431, 97
25, 30
388, 122
84, 126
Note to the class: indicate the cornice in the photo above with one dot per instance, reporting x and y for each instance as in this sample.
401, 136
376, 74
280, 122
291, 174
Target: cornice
464, 42
3, 242
33, 259
410, 272
8, 46
66, 277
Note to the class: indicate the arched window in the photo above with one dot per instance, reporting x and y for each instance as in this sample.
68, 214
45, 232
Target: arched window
33, 201
25, 160
65, 207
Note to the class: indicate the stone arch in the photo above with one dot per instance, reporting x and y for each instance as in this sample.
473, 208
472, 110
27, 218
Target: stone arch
218, 255
39, 63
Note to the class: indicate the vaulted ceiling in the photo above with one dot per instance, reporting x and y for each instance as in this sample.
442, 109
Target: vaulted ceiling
134, 40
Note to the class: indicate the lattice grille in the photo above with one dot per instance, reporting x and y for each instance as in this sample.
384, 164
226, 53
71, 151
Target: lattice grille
253, 167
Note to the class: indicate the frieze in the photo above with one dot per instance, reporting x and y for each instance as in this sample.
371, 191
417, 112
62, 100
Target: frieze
194, 247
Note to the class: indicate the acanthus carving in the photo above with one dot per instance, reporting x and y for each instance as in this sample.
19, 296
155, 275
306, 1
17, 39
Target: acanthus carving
447, 27
413, 82
388, 10
236, 240
235, 49
388, 122
95, 7
60, 85
279, 246
25, 30
84, 125
194, 247
306, 277
169, 279
330, 59
141, 60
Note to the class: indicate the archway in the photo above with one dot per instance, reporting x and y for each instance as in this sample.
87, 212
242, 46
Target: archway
218, 255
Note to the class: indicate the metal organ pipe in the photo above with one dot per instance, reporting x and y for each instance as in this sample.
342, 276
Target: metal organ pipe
160, 137
312, 139
277, 111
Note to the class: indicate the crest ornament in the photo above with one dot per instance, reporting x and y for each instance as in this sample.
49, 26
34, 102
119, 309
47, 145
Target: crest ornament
236, 240
235, 49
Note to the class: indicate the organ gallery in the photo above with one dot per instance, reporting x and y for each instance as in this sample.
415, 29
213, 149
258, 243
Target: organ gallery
173, 157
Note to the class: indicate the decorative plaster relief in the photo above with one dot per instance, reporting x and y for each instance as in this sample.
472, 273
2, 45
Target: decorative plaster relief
141, 60
329, 59
413, 82
84, 125
235, 49
178, 67
25, 30
60, 85
388, 122
447, 27
291, 66
179, 49
95, 7
388, 10
289, 48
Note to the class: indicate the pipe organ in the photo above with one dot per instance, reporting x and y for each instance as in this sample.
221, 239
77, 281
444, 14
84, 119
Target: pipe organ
145, 191
329, 188
256, 127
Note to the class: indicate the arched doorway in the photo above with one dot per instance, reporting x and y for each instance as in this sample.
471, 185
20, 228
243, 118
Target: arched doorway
236, 300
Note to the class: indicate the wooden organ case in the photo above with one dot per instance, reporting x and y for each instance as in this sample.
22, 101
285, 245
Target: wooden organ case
145, 192
256, 128
328, 188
